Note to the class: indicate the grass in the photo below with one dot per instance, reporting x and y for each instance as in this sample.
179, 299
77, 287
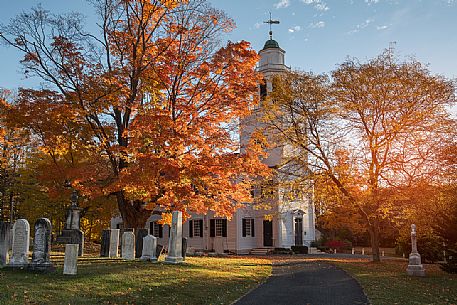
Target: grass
206, 280
388, 283
198, 281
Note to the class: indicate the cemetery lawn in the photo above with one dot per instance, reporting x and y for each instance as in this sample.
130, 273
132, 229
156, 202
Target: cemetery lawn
201, 280
388, 283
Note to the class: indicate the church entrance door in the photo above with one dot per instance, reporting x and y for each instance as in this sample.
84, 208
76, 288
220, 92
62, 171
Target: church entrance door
299, 231
267, 233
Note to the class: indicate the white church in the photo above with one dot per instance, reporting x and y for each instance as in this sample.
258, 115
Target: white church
290, 221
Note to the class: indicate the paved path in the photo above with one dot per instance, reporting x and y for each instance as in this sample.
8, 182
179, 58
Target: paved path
314, 283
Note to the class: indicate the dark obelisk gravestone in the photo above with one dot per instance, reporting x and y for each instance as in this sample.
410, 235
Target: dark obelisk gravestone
5, 242
72, 234
139, 235
42, 246
184, 247
104, 249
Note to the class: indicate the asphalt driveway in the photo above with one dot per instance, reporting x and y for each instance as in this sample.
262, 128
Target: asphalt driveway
313, 283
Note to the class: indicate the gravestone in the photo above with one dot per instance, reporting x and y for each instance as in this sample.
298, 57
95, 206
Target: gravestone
21, 243
105, 242
42, 246
5, 242
128, 245
174, 255
72, 234
415, 267
149, 248
159, 250
70, 264
114, 243
121, 232
184, 247
139, 235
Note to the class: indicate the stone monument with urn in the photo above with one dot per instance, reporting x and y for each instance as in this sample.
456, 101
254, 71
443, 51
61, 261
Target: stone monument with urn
415, 267
72, 234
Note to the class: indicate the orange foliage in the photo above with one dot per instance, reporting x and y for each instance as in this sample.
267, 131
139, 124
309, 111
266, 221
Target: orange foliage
153, 120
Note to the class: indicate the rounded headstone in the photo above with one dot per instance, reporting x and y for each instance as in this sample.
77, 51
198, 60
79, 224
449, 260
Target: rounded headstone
21, 243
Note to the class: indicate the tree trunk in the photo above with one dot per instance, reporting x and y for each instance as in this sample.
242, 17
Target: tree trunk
375, 239
132, 212
11, 199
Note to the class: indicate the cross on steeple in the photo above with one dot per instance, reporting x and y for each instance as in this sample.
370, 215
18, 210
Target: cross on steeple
270, 22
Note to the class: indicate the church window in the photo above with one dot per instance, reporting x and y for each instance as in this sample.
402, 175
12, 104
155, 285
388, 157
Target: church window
156, 229
263, 90
196, 228
218, 227
248, 227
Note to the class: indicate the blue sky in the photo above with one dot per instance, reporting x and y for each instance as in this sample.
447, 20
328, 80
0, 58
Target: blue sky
316, 34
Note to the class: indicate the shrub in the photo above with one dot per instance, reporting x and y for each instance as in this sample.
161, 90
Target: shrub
300, 249
430, 248
450, 266
323, 249
282, 251
337, 244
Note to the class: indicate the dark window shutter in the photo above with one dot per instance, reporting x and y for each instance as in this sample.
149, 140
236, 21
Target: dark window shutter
244, 227
212, 227
224, 227
191, 228
201, 227
252, 227
160, 231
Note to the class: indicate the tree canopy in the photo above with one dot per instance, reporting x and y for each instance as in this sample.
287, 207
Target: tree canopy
367, 129
145, 110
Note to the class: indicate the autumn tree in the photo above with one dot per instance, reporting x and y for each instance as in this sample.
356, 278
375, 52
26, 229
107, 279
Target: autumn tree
151, 101
13, 150
369, 129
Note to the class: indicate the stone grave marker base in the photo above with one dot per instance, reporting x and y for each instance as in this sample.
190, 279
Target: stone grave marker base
415, 270
173, 260
41, 267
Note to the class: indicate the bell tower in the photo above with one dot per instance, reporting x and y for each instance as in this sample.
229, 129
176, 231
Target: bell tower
272, 60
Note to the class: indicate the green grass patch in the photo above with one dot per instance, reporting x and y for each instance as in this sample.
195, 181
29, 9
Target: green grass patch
200, 280
387, 283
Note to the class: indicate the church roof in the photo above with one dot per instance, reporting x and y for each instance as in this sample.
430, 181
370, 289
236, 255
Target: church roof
271, 44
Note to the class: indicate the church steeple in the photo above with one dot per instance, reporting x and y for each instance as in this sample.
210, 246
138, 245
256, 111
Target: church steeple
271, 22
271, 56
271, 43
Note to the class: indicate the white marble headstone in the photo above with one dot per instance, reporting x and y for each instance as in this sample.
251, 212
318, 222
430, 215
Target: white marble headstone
70, 265
114, 243
149, 248
21, 243
128, 245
